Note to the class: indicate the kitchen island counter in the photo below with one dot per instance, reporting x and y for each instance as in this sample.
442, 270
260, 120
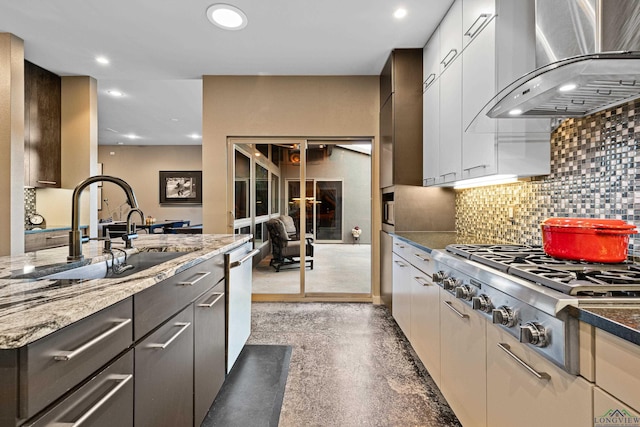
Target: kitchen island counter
31, 309
621, 320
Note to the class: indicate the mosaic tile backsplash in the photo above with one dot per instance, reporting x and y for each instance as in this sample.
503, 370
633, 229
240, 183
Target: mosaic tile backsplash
29, 204
593, 175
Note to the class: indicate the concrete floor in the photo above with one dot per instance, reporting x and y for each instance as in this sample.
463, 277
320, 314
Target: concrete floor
350, 366
337, 268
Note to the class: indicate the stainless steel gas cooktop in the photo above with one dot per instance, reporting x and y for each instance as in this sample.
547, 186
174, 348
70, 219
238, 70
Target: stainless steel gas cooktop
569, 277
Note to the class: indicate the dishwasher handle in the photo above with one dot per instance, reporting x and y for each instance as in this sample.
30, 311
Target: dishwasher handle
245, 258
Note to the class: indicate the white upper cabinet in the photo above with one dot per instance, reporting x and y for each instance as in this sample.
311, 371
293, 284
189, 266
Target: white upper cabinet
451, 35
476, 14
450, 118
431, 60
431, 133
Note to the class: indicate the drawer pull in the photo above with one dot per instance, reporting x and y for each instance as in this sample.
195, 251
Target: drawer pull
422, 281
428, 81
202, 275
399, 245
57, 237
122, 381
400, 264
476, 167
212, 303
484, 17
539, 375
245, 259
446, 60
461, 315
47, 182
68, 355
422, 258
183, 327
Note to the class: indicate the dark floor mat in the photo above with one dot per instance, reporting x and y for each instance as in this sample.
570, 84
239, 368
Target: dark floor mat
252, 394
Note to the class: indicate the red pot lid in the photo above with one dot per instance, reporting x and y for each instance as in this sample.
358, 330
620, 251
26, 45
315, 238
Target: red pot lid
588, 223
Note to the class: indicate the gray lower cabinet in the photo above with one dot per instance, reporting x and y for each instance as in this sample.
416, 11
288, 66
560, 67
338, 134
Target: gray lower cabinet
209, 349
105, 401
164, 374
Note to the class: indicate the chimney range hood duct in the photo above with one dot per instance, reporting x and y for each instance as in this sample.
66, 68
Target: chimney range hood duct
599, 47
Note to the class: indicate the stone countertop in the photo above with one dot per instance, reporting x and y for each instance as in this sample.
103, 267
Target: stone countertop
31, 309
621, 320
429, 240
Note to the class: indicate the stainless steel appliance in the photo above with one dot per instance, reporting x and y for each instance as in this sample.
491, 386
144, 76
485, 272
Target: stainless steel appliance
526, 292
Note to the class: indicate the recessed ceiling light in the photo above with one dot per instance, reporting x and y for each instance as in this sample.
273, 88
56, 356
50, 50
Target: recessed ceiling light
400, 13
174, 119
132, 136
102, 60
115, 93
568, 87
120, 143
515, 112
194, 136
226, 16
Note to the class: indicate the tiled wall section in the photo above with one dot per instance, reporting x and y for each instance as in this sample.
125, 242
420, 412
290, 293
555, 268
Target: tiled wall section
29, 204
593, 175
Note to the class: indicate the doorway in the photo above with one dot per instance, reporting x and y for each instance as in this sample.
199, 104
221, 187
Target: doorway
266, 184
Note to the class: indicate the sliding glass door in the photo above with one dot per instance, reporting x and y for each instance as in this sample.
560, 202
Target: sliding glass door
321, 208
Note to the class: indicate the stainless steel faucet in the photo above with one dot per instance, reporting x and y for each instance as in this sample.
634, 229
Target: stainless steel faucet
75, 235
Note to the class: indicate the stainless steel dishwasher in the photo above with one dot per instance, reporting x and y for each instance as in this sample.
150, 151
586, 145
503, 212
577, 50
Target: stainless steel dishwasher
238, 265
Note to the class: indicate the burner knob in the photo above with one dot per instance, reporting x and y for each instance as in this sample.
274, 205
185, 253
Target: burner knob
439, 276
451, 283
482, 303
504, 315
464, 292
534, 333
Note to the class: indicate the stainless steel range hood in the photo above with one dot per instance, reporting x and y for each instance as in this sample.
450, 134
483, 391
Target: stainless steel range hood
588, 54
572, 87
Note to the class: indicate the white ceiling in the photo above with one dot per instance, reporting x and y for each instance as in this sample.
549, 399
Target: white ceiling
160, 49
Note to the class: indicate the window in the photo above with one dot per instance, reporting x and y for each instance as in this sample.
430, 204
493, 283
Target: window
241, 187
262, 191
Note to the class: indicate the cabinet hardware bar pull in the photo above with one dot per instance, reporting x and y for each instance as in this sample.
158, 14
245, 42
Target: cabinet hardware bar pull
421, 258
243, 260
399, 245
444, 62
484, 17
68, 355
422, 280
212, 303
47, 182
539, 375
56, 237
476, 167
430, 79
183, 327
202, 274
122, 381
400, 264
449, 173
461, 315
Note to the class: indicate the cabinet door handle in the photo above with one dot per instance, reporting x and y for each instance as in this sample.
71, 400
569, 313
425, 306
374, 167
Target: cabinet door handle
427, 82
422, 280
68, 355
476, 167
421, 258
122, 381
183, 327
399, 245
47, 182
202, 275
482, 19
243, 260
461, 315
400, 264
539, 375
56, 237
446, 62
427, 181
212, 303
449, 173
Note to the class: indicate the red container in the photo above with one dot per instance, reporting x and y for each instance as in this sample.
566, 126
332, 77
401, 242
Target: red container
586, 239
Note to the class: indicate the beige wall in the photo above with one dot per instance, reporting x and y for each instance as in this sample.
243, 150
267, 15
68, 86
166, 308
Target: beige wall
139, 166
279, 106
11, 145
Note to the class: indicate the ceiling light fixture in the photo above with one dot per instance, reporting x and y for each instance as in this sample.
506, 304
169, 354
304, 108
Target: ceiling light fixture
102, 60
115, 93
132, 136
194, 136
226, 16
120, 143
400, 13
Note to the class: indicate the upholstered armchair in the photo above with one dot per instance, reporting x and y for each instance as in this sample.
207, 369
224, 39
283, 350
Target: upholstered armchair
284, 250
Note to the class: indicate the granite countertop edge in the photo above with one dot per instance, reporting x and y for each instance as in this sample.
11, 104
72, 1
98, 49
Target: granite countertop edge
31, 309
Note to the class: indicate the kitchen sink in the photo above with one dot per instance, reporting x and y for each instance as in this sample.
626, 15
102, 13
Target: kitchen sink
135, 263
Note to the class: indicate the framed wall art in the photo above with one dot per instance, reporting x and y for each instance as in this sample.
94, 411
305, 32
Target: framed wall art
181, 187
